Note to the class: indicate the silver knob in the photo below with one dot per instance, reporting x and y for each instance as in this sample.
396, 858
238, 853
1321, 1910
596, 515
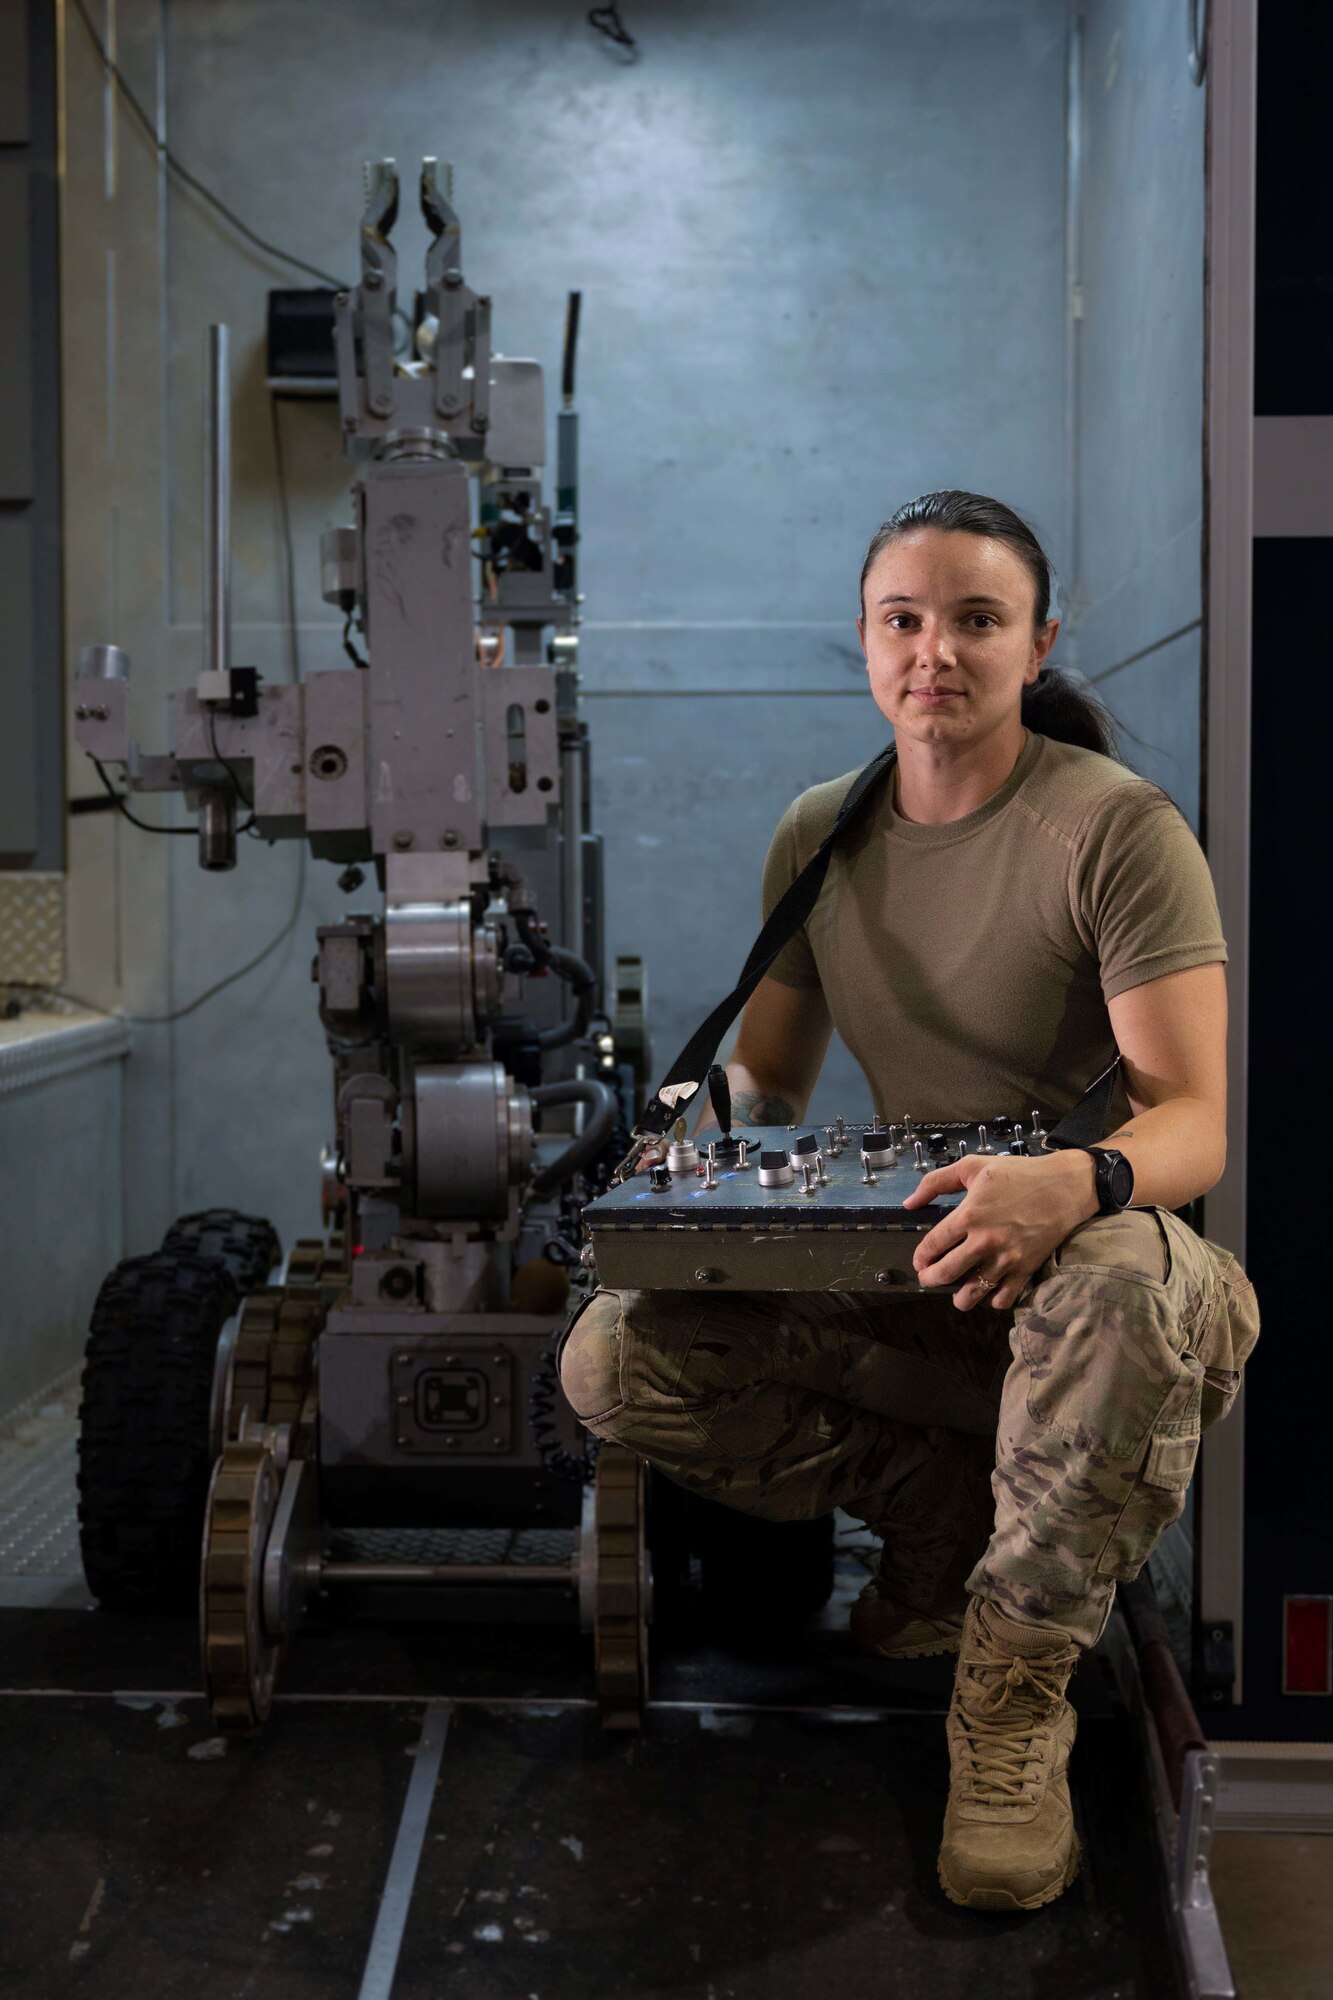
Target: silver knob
919, 1161
682, 1156
962, 1148
810, 1176
1038, 1132
842, 1128
710, 1170
741, 1162
867, 1172
983, 1140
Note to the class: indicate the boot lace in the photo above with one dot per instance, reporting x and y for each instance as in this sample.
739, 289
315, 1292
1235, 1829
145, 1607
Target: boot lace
1001, 1721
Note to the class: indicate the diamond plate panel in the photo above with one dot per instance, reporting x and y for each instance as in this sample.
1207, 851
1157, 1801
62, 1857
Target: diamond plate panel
32, 930
454, 1545
39, 1534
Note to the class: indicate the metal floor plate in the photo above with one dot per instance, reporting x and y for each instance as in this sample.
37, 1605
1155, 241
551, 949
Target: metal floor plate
39, 1537
39, 1530
453, 1545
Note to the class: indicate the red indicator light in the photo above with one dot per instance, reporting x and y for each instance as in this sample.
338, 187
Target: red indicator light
357, 1249
1307, 1645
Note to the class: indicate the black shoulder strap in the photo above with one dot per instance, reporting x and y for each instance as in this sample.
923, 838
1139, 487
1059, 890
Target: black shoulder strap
686, 1074
1085, 1124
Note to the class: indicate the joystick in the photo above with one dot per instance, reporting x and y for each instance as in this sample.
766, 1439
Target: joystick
719, 1096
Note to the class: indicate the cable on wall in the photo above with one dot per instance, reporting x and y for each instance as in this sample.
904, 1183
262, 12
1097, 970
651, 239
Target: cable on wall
182, 172
607, 22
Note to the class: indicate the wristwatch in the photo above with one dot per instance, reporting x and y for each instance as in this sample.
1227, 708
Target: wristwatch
1114, 1179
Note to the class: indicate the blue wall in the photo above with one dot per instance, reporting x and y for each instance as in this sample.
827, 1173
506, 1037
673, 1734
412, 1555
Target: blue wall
822, 267
1140, 372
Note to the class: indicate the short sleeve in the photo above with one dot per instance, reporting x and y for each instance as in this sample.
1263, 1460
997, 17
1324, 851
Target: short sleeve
1142, 895
795, 963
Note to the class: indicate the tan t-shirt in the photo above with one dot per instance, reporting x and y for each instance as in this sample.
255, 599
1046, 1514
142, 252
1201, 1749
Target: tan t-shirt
967, 967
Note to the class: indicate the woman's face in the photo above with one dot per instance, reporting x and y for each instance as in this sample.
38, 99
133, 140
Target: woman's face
948, 635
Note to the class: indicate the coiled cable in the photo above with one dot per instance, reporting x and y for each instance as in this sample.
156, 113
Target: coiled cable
556, 1458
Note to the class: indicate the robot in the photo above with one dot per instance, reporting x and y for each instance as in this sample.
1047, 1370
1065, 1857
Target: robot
396, 1371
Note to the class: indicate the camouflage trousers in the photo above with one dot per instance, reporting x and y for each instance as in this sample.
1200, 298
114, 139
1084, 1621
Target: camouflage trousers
1032, 1457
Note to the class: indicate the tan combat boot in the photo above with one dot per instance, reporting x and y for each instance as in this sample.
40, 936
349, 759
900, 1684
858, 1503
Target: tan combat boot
1009, 1839
882, 1625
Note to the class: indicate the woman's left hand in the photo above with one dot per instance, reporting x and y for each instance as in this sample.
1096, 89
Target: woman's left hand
1015, 1212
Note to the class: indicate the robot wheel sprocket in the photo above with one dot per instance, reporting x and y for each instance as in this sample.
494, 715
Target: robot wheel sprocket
620, 1608
240, 1659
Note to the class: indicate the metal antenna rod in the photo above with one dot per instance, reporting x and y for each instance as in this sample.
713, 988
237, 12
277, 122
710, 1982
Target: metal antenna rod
217, 504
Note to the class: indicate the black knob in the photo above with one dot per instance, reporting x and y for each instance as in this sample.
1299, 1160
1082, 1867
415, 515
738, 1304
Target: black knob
1001, 1127
876, 1142
807, 1143
719, 1096
777, 1159
939, 1145
660, 1178
1018, 1146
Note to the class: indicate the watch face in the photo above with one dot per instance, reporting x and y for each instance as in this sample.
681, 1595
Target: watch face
1120, 1180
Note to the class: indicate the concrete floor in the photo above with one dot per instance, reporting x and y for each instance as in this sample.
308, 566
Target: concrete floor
731, 1854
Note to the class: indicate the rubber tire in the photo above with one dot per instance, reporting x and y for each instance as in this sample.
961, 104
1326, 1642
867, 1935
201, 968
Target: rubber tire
246, 1245
145, 1454
761, 1575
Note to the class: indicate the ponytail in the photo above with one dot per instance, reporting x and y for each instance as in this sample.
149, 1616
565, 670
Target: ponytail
1058, 704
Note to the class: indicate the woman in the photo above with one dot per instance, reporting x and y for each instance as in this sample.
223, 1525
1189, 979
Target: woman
1015, 909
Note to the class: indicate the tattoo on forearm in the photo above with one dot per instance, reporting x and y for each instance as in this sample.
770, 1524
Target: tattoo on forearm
754, 1107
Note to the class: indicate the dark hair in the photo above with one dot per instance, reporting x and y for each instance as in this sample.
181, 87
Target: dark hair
1056, 705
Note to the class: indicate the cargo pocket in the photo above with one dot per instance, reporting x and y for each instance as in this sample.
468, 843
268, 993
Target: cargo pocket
1101, 1359
1156, 1497
1170, 1463
1226, 1334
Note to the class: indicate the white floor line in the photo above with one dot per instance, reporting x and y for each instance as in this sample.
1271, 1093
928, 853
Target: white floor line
391, 1924
526, 1704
